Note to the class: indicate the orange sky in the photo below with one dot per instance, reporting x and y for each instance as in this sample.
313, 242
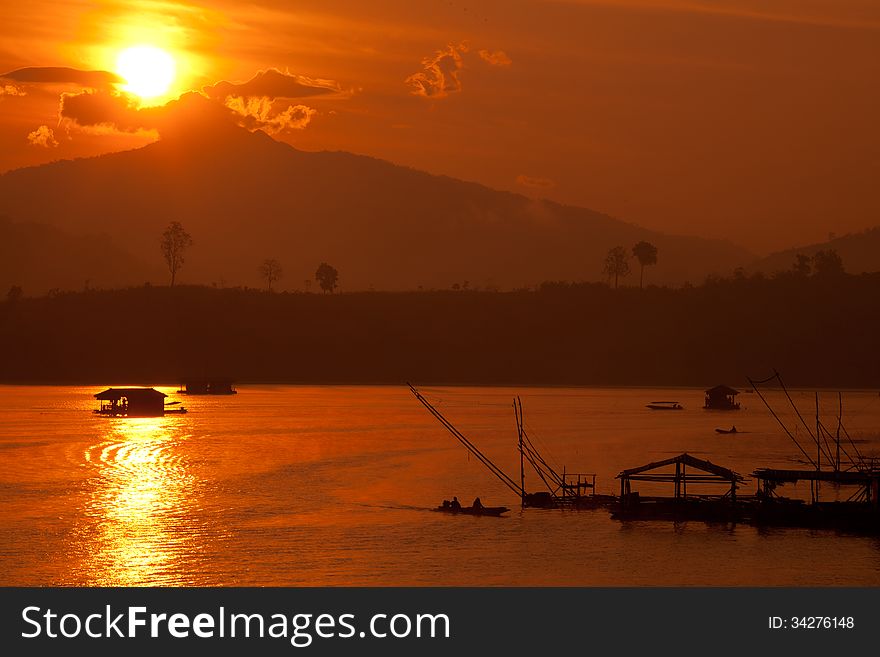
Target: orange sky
754, 120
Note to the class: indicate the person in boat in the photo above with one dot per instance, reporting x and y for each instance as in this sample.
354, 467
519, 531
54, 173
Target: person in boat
477, 504
733, 429
446, 504
456, 505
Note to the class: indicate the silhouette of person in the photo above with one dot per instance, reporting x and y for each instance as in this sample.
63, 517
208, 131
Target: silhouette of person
456, 505
478, 504
733, 429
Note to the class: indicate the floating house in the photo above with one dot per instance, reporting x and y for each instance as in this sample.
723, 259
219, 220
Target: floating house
131, 402
135, 402
721, 398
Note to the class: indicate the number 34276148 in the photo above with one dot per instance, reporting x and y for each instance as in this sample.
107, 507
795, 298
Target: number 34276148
811, 623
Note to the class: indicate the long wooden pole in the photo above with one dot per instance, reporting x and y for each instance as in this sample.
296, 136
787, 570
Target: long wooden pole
839, 422
494, 469
517, 408
818, 446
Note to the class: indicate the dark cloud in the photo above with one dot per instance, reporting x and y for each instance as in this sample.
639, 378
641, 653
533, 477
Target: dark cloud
273, 84
192, 112
253, 105
94, 108
440, 75
63, 75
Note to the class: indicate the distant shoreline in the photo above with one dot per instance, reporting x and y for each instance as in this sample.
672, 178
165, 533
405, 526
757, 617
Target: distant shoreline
361, 384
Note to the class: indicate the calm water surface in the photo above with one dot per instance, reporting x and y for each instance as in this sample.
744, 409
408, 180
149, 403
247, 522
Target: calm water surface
295, 485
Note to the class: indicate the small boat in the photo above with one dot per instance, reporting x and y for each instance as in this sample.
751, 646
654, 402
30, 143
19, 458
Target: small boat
474, 511
177, 410
725, 431
665, 406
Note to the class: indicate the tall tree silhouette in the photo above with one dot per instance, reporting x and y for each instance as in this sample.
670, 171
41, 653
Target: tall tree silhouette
175, 242
616, 264
14, 294
646, 254
270, 271
327, 277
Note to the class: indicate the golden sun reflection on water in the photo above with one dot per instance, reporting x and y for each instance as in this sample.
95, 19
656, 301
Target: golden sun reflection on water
139, 499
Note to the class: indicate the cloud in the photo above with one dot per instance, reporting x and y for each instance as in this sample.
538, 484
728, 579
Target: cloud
104, 108
43, 136
193, 112
273, 84
11, 90
534, 183
63, 75
253, 105
440, 75
497, 58
259, 113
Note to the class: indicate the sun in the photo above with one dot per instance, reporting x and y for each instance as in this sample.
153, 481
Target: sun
148, 71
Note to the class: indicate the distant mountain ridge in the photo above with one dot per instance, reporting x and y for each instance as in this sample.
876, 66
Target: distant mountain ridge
245, 197
39, 258
860, 253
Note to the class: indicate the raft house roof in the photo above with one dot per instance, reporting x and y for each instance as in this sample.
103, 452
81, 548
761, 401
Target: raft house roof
714, 472
722, 390
115, 394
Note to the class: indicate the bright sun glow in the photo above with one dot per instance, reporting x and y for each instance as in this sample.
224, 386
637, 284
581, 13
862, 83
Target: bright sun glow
147, 70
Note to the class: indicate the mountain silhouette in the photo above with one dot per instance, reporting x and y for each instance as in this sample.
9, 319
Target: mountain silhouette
245, 197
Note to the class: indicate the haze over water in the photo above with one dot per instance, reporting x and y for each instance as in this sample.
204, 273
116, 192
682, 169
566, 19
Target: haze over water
299, 486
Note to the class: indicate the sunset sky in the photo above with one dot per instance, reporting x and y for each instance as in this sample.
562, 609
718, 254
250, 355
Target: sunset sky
751, 120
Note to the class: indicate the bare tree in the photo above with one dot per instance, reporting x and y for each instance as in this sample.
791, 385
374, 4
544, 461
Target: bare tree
646, 254
175, 242
802, 265
270, 271
327, 277
616, 264
14, 294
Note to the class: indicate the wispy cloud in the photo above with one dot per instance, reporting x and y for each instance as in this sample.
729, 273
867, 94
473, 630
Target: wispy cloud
273, 84
534, 183
260, 114
43, 136
440, 75
11, 90
496, 58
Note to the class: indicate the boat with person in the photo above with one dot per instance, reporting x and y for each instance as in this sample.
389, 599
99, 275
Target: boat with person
665, 406
475, 510
562, 489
